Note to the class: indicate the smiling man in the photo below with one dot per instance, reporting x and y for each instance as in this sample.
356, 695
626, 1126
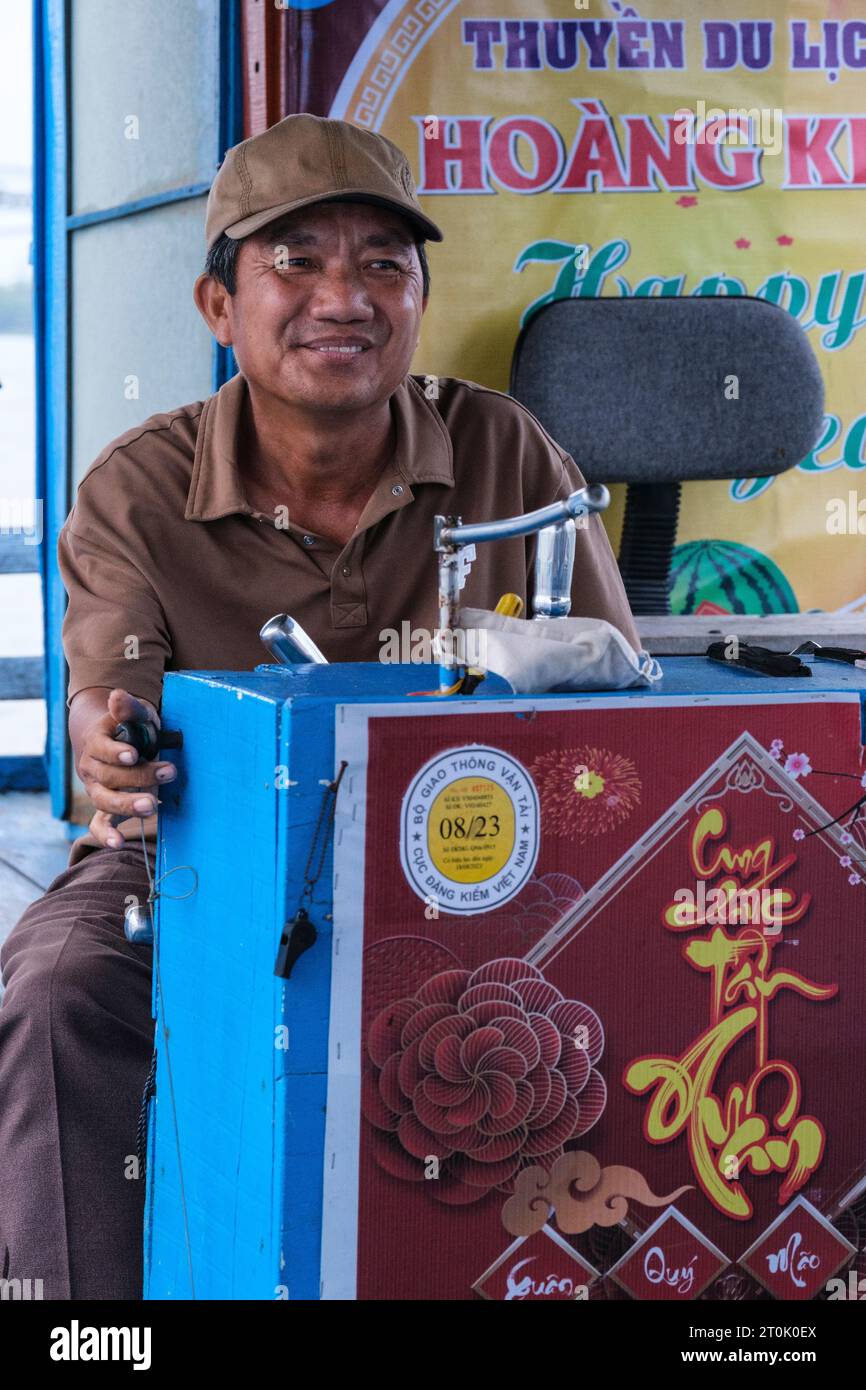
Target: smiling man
308, 483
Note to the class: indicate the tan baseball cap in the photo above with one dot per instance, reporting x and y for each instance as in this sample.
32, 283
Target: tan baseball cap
306, 159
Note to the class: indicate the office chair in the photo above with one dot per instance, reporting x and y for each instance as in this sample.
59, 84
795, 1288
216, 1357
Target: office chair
654, 392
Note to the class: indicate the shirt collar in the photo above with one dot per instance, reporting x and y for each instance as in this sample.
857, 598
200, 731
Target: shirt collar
423, 452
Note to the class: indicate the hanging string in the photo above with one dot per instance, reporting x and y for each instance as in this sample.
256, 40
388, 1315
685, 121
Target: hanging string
172, 897
850, 811
321, 834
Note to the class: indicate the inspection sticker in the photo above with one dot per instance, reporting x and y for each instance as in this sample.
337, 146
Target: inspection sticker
469, 830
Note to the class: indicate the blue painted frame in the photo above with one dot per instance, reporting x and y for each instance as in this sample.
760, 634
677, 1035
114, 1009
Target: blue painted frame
50, 266
53, 228
155, 200
230, 131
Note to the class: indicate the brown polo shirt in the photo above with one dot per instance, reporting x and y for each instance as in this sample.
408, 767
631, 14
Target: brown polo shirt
169, 567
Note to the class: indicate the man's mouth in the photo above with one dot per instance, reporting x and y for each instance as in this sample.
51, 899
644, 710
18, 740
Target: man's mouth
338, 352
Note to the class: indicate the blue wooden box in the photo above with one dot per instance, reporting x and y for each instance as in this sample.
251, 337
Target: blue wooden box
236, 1146
236, 1130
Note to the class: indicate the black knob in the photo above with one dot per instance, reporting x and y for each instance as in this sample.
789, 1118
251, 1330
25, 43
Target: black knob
146, 740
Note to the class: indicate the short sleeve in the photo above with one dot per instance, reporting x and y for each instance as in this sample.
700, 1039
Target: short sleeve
115, 631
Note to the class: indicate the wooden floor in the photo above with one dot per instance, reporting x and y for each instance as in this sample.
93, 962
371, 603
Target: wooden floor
33, 851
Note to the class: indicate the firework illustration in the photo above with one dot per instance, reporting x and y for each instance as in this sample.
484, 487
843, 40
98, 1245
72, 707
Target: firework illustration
585, 791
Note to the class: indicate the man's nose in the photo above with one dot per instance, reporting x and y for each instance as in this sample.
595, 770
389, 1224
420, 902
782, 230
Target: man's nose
341, 294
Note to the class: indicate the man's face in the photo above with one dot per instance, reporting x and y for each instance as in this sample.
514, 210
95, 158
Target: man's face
330, 277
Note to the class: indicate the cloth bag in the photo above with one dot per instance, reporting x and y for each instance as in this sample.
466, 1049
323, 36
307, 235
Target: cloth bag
539, 655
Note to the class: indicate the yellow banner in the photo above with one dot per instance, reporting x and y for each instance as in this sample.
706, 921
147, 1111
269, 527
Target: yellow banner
599, 148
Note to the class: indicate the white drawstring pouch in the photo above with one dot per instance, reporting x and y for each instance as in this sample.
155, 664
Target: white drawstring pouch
540, 655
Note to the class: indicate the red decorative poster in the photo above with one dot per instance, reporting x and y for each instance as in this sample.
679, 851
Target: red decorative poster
611, 1031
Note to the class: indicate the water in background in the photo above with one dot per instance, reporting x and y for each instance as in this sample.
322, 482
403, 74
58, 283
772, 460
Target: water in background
22, 722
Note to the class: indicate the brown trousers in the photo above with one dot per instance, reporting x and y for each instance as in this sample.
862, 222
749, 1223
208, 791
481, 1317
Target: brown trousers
76, 1038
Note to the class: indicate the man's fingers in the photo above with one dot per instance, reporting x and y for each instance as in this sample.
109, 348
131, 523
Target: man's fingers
120, 784
125, 804
106, 829
108, 751
102, 760
102, 829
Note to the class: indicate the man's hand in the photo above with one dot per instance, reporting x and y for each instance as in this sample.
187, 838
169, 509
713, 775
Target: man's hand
119, 784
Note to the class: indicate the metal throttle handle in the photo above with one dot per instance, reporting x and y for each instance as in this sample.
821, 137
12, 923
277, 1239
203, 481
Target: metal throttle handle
454, 544
594, 498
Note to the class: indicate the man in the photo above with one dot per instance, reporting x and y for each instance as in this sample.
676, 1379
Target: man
308, 483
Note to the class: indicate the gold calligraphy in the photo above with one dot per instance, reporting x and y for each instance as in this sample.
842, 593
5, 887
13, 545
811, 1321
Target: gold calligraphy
726, 1135
750, 872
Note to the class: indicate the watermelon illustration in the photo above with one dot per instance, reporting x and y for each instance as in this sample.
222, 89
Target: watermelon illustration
709, 577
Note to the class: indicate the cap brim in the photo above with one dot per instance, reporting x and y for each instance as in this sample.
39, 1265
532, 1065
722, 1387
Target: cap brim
254, 223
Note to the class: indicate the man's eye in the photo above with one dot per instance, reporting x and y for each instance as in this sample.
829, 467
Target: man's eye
283, 262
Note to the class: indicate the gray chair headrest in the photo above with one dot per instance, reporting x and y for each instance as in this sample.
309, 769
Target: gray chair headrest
635, 389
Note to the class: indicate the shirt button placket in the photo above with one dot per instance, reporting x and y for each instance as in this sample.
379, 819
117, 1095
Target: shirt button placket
347, 583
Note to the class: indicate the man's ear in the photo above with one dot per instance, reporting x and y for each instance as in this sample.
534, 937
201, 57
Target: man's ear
213, 302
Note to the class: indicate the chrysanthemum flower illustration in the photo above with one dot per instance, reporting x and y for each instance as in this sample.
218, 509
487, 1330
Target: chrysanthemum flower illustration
776, 748
799, 834
798, 765
854, 879
484, 1072
585, 791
